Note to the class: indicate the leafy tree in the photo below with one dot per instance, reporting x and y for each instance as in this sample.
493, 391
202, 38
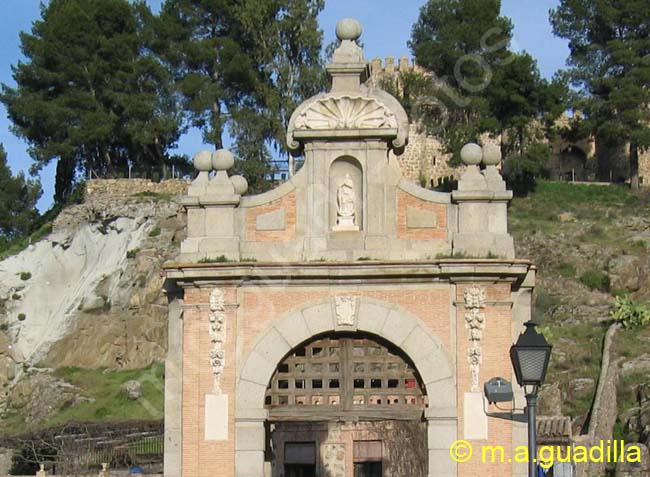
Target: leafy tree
524, 104
18, 197
521, 170
242, 66
480, 86
609, 42
90, 94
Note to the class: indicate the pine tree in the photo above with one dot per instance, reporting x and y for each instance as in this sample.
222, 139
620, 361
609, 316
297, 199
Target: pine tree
242, 66
90, 93
609, 42
18, 197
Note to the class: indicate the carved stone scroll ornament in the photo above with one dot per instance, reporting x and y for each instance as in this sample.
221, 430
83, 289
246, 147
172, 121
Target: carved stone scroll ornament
346, 309
217, 336
474, 297
346, 112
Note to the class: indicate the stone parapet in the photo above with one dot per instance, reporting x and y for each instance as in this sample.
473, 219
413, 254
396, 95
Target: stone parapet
390, 65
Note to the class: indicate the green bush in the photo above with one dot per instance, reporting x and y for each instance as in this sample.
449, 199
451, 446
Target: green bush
155, 232
567, 270
4, 327
629, 313
15, 296
544, 302
132, 253
22, 317
595, 280
24, 276
521, 171
8, 248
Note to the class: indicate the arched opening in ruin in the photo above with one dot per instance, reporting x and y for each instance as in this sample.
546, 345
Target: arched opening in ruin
573, 164
346, 404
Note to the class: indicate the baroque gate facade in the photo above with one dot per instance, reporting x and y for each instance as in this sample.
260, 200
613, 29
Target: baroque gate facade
342, 324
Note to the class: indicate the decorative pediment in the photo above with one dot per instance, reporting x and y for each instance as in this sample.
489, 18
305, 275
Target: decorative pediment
346, 112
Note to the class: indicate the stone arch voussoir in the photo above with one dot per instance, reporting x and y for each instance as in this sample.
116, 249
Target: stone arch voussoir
375, 317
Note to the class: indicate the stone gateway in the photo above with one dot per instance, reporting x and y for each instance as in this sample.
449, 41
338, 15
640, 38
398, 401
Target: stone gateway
342, 324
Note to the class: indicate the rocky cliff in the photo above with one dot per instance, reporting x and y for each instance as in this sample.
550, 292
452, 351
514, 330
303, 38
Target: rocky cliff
89, 295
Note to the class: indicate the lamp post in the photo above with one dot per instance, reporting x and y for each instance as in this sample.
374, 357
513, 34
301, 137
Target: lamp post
530, 356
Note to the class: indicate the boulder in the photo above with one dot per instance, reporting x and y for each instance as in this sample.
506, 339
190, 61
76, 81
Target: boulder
581, 387
624, 273
567, 217
550, 400
132, 389
635, 469
640, 364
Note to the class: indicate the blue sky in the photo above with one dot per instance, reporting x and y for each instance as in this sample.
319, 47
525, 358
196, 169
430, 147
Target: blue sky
387, 27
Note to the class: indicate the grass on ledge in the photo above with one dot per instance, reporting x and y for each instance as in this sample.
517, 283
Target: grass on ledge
593, 203
107, 401
8, 249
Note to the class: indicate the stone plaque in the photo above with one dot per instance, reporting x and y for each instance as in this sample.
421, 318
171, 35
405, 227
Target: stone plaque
417, 218
475, 422
274, 220
216, 417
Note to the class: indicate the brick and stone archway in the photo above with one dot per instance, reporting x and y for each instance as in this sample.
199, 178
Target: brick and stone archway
386, 321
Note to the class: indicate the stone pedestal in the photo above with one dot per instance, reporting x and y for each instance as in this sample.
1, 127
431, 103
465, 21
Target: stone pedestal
482, 201
210, 206
346, 224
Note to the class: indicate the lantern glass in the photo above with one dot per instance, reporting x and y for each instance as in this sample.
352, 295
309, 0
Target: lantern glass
530, 357
532, 363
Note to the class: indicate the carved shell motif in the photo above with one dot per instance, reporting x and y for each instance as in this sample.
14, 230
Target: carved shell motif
346, 112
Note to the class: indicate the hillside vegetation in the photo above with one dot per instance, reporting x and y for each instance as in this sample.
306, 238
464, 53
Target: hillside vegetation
590, 244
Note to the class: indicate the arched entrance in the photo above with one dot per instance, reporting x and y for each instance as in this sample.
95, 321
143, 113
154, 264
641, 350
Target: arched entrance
346, 401
394, 334
573, 164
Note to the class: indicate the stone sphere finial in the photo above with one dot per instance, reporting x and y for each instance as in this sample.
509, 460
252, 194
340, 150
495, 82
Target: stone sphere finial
222, 160
240, 184
203, 161
491, 154
471, 154
348, 29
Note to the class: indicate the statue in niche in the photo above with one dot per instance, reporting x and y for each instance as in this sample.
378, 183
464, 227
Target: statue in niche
345, 206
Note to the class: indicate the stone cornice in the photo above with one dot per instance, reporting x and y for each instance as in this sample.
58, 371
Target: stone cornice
450, 270
481, 195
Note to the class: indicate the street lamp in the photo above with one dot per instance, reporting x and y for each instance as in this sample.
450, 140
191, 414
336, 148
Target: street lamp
530, 356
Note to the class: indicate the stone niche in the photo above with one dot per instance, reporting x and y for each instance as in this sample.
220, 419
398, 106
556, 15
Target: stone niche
346, 195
